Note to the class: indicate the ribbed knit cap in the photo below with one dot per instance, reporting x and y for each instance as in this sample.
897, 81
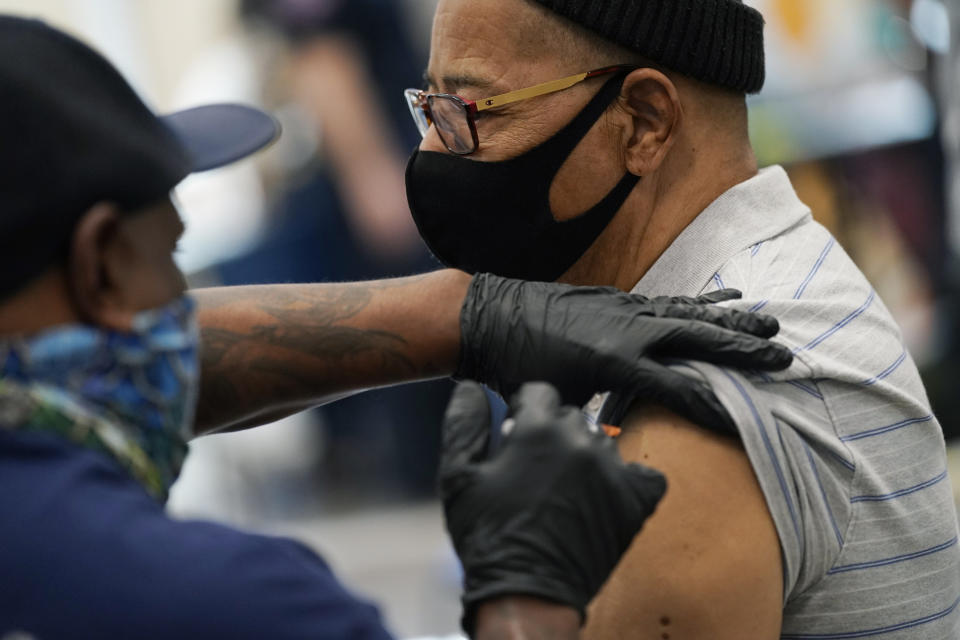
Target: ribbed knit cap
717, 41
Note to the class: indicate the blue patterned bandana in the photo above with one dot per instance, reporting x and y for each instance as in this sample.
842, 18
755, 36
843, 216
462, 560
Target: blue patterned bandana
130, 394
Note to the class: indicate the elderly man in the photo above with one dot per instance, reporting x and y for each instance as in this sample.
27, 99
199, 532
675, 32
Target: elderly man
606, 142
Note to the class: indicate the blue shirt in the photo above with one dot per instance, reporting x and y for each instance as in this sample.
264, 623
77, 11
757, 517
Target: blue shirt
85, 552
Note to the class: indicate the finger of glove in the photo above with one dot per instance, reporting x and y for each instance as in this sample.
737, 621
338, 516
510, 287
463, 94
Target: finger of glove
573, 424
723, 295
654, 383
668, 300
535, 403
711, 343
466, 428
755, 324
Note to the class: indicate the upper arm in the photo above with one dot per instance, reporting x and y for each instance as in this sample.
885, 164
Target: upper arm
707, 564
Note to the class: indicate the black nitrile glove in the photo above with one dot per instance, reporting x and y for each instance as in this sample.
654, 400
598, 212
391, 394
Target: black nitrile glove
585, 340
550, 513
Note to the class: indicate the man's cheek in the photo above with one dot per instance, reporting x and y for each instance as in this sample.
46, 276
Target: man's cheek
583, 181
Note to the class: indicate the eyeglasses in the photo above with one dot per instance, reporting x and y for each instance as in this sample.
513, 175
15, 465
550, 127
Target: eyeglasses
456, 118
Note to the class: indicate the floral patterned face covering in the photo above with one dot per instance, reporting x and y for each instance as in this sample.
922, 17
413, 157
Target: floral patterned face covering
129, 394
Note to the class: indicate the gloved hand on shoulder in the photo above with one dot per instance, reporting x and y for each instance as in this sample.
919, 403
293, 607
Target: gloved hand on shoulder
585, 340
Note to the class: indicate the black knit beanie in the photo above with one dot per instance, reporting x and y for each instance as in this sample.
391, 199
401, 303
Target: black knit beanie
717, 41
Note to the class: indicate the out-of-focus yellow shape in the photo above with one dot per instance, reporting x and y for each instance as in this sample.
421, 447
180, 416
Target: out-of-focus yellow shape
797, 18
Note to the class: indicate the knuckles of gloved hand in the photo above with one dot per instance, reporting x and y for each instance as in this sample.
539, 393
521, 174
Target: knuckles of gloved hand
586, 340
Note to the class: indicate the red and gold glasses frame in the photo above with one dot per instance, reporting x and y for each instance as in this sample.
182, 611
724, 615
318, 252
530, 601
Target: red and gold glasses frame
456, 118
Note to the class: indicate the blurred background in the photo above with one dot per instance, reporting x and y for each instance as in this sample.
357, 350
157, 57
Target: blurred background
862, 106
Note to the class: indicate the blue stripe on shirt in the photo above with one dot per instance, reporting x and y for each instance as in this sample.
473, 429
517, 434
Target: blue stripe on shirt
874, 632
808, 390
773, 458
816, 267
840, 325
849, 465
823, 493
887, 429
794, 383
719, 281
902, 492
886, 372
894, 560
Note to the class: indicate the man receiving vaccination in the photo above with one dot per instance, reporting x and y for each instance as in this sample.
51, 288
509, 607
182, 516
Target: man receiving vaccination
605, 142
99, 369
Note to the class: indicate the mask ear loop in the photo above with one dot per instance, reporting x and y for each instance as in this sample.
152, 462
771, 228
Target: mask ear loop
572, 134
578, 129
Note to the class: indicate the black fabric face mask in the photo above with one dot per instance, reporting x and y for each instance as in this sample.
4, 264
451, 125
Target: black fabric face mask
495, 217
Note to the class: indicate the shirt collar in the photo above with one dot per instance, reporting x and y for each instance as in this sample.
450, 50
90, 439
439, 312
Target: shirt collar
759, 209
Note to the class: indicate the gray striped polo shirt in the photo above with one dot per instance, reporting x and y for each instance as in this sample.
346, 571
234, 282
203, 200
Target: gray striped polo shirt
844, 444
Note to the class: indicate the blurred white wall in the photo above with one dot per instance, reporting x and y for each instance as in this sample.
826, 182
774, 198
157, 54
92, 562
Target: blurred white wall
151, 41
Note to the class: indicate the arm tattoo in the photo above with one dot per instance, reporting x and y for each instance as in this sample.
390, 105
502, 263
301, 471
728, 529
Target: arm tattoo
294, 346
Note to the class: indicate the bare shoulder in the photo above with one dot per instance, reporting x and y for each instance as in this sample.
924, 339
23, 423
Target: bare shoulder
707, 565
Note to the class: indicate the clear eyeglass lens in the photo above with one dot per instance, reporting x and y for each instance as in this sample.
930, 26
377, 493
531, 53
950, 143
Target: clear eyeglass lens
453, 123
415, 104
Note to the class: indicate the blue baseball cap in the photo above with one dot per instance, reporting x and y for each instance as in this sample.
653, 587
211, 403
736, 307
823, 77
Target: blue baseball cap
216, 135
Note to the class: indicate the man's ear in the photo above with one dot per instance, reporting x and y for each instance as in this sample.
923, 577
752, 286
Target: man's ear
652, 101
92, 272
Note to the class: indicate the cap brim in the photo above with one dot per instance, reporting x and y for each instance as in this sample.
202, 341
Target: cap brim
220, 134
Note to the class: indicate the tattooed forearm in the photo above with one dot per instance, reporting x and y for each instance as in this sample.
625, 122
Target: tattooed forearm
322, 304
283, 348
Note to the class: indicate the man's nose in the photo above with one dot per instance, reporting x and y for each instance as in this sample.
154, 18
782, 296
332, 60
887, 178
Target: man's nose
432, 142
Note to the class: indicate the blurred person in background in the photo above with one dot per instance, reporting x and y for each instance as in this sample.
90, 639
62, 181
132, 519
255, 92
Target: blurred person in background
343, 217
945, 371
101, 363
607, 143
346, 62
949, 85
